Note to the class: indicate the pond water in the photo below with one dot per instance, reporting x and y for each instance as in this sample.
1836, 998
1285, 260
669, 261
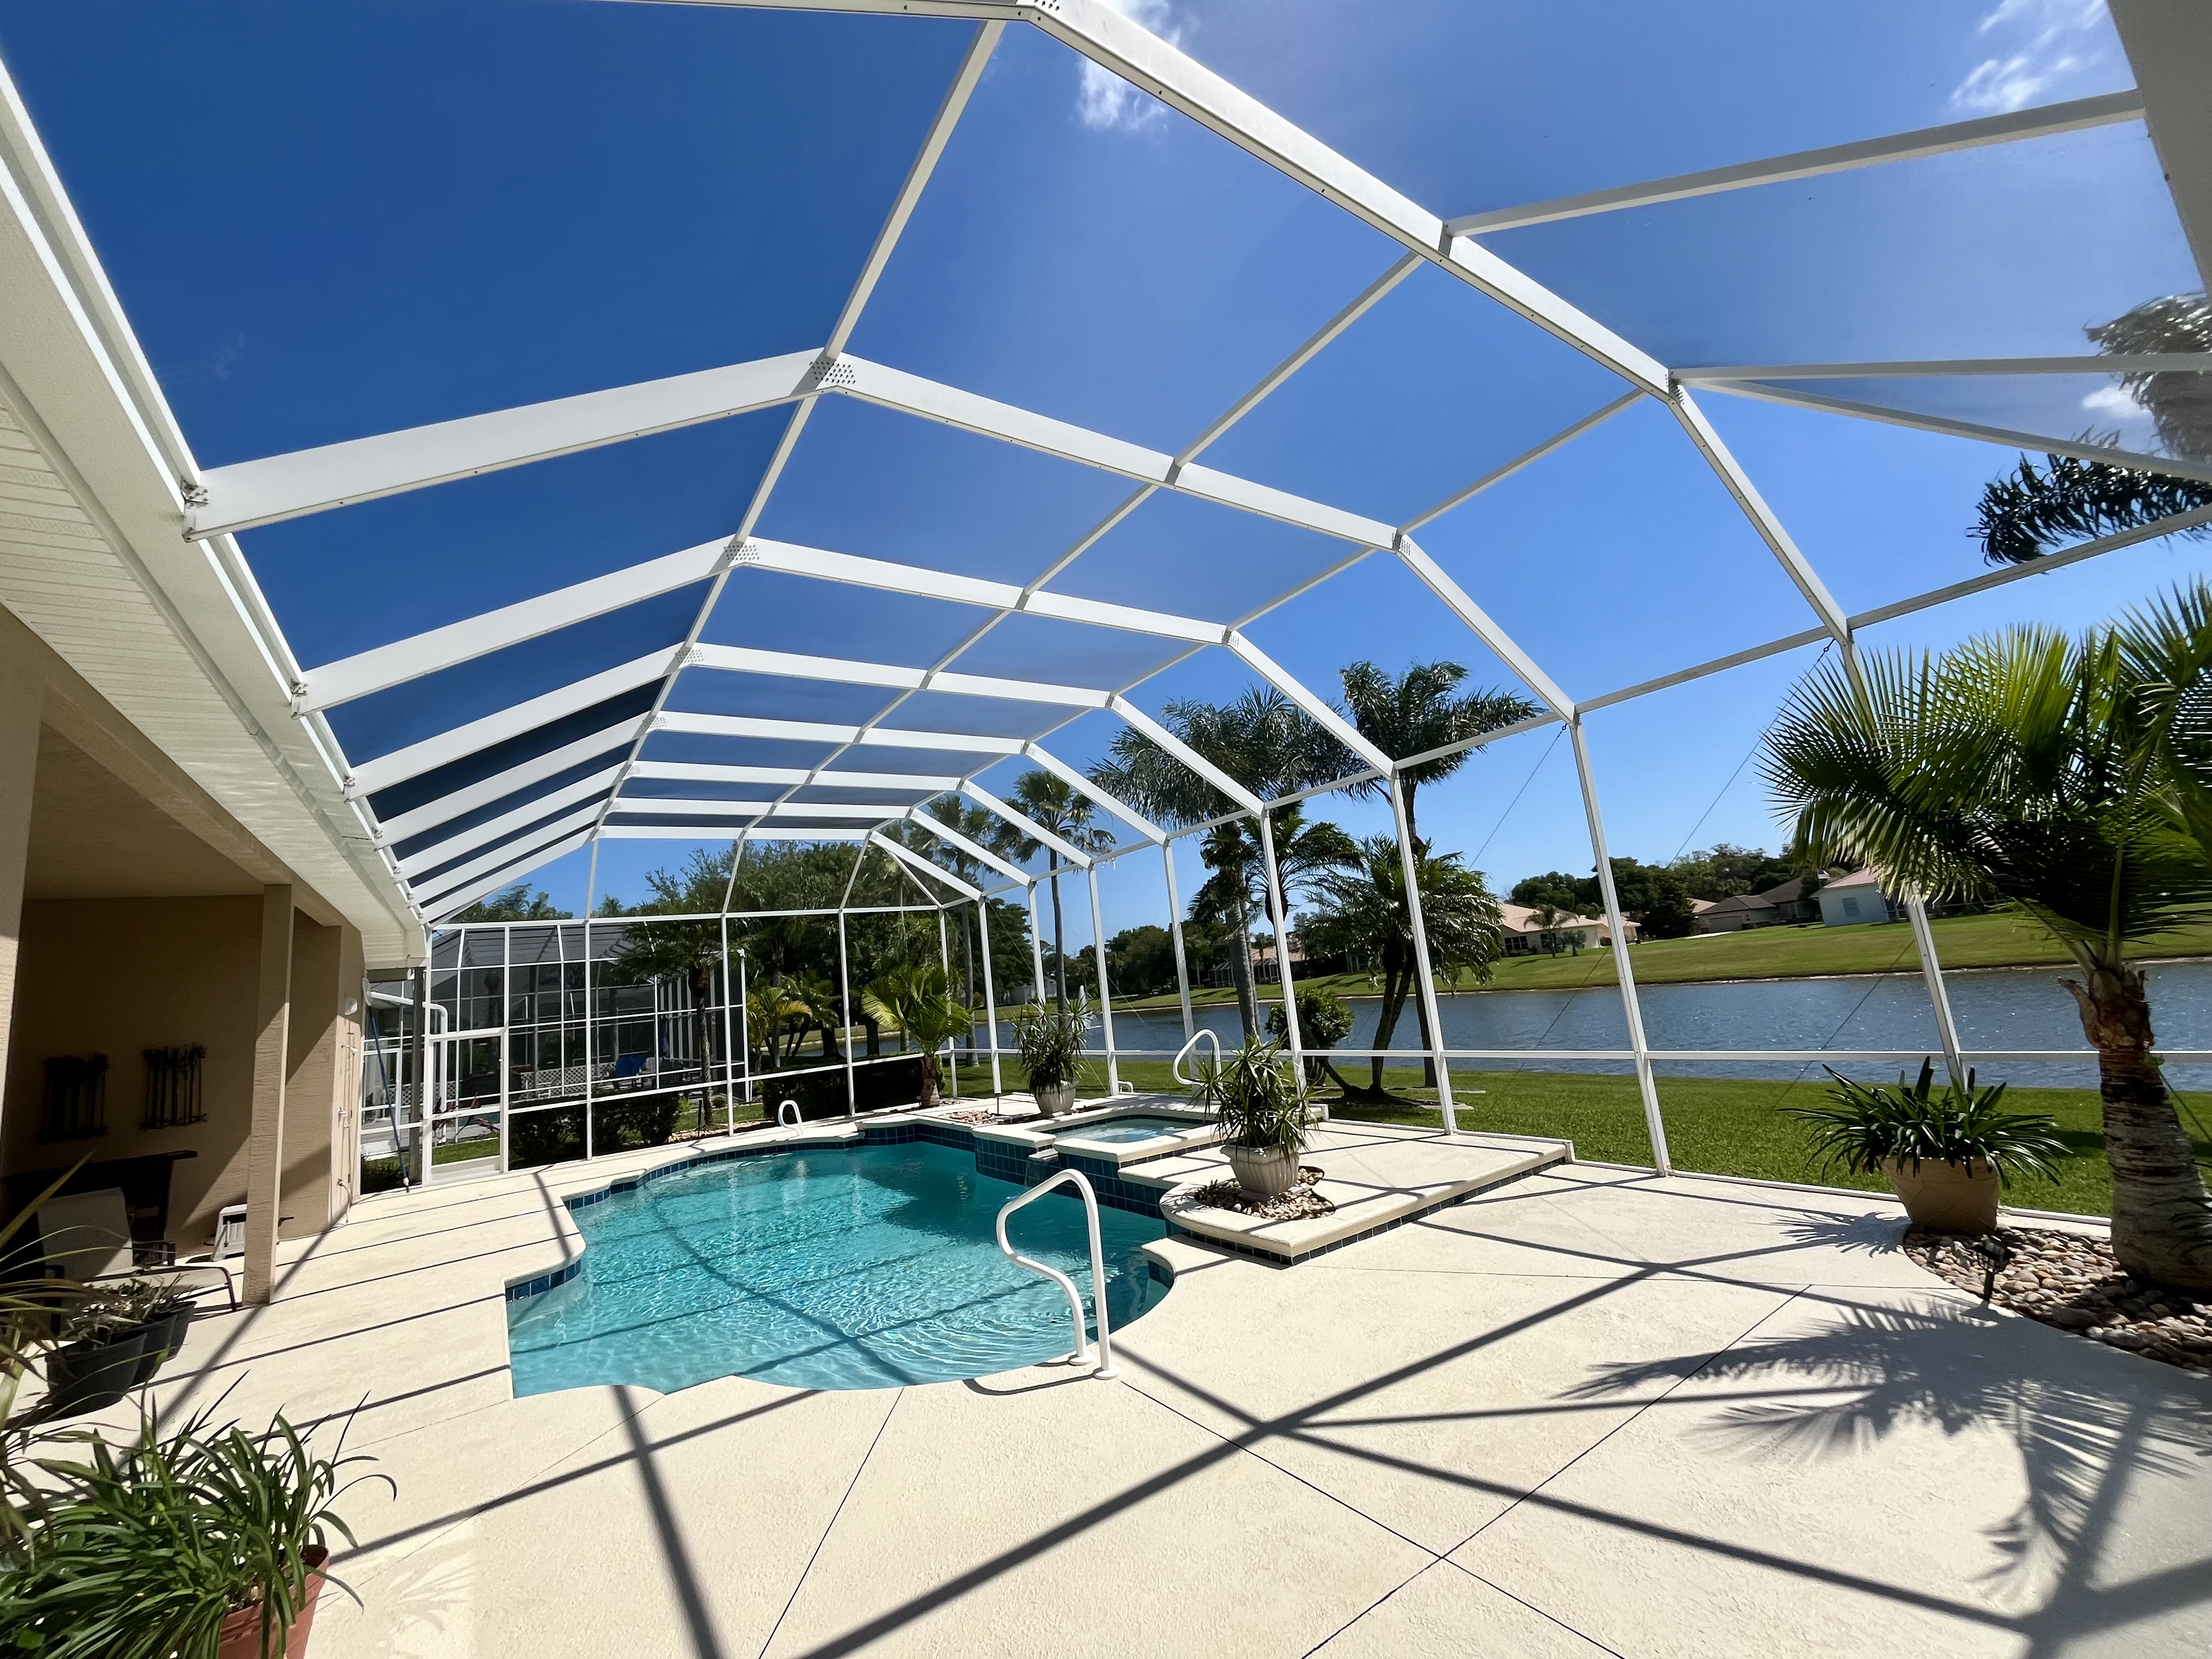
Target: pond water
1996, 1009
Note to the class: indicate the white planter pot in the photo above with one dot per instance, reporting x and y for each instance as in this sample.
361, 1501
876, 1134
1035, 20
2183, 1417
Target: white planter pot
1946, 1198
1055, 1099
1264, 1171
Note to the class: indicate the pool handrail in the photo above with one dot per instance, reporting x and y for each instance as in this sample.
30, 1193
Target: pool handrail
1175, 1066
1106, 1367
797, 1118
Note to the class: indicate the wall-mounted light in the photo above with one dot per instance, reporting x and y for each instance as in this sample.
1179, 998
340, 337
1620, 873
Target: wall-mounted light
351, 1006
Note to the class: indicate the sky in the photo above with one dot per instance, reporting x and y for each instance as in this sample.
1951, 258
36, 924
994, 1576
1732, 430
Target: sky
374, 216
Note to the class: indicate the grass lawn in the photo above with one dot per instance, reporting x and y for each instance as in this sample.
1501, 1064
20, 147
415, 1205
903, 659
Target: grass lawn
1719, 1126
1998, 940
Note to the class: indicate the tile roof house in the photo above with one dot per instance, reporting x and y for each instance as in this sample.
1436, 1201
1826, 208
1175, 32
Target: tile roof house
1525, 934
1849, 900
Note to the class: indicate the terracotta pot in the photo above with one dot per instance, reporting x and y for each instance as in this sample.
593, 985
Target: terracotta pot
1052, 1099
242, 1636
1947, 1198
1264, 1171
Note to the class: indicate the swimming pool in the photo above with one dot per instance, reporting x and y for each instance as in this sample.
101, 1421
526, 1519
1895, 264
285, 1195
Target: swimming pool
861, 1268
1136, 1127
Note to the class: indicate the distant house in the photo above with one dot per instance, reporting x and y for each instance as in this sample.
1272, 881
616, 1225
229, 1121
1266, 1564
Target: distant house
1527, 935
1737, 911
1848, 901
1790, 902
1263, 954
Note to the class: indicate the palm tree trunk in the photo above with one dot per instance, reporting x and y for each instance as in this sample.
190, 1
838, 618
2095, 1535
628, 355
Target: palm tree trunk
1059, 948
702, 989
968, 973
1240, 970
929, 1096
1420, 1005
1397, 978
2161, 1229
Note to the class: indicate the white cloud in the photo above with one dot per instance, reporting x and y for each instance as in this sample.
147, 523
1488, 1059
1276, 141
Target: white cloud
2116, 411
2042, 44
1103, 100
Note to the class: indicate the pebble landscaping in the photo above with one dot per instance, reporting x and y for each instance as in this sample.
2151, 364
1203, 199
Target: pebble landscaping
2071, 1280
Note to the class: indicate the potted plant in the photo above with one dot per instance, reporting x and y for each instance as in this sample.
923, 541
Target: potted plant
97, 1359
1049, 1042
1945, 1152
1263, 1115
198, 1543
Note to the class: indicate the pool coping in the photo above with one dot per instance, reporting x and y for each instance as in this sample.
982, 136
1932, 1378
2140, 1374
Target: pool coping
1023, 1156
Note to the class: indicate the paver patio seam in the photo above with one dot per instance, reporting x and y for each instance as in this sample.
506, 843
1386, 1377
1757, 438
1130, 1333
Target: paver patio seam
1548, 1617
1633, 1416
1426, 1566
814, 1554
1311, 1485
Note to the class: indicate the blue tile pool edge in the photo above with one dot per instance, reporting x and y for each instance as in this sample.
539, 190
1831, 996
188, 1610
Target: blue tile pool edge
1106, 1181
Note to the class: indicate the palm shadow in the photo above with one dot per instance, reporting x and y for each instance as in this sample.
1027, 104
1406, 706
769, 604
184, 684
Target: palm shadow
2090, 1428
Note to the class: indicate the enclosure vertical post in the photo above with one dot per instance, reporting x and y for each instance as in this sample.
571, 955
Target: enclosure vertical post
590, 885
1931, 970
1409, 861
505, 1042
844, 1016
944, 961
264, 1149
1036, 949
729, 1053
1282, 953
1105, 992
990, 997
1654, 1124
744, 1037
1175, 927
417, 1160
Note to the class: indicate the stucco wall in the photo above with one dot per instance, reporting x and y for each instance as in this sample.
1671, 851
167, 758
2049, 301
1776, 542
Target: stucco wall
119, 976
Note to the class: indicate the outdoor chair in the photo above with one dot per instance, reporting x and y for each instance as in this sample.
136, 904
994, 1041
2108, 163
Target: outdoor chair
86, 1237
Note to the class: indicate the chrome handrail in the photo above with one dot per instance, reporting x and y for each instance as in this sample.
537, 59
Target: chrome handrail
797, 1120
1175, 1066
1106, 1366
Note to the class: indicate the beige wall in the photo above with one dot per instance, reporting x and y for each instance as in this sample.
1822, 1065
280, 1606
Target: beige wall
119, 976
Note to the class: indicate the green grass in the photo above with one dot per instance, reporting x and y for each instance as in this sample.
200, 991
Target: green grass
2001, 939
1718, 1126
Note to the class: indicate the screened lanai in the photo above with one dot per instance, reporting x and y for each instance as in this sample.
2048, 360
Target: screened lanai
795, 465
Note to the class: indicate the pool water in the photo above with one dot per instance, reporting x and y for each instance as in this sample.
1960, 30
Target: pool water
863, 1267
1117, 1131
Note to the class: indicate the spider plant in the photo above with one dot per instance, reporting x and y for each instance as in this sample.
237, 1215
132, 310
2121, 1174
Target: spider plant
1872, 1123
140, 1551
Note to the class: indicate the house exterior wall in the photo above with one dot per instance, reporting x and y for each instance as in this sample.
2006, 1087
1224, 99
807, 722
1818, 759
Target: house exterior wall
1850, 906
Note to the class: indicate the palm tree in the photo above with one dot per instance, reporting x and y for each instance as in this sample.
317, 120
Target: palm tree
921, 1002
1267, 743
2059, 775
1420, 710
2027, 513
1363, 913
1053, 803
770, 1008
976, 825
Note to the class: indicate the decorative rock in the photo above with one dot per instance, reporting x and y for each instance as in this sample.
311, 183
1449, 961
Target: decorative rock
2071, 1282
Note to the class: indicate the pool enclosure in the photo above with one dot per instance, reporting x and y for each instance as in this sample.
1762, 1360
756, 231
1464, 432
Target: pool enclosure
1000, 438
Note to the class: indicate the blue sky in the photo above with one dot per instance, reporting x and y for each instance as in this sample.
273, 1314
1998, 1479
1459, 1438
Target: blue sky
374, 216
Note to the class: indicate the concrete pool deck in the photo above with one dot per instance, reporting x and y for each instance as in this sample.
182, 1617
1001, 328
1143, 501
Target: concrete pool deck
1592, 1410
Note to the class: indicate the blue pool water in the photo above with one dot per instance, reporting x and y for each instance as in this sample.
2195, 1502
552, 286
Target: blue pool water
1136, 1127
823, 1268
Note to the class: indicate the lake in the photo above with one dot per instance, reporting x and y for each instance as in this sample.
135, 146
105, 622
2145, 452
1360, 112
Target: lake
2000, 1010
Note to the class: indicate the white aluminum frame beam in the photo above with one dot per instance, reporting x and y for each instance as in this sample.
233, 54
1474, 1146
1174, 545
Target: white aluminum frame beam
975, 850
584, 789
1189, 757
444, 904
922, 783
571, 832
750, 726
2168, 362
1434, 577
875, 811
387, 665
1315, 710
912, 859
569, 824
746, 659
2050, 444
1528, 458
2072, 116
290, 486
1075, 779
695, 832
443, 809
461, 741
1036, 832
